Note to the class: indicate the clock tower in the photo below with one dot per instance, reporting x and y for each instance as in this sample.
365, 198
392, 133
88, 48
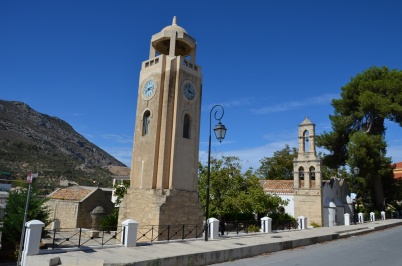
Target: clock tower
163, 189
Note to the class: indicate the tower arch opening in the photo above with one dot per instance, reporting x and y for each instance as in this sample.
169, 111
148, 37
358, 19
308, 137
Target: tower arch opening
146, 119
187, 126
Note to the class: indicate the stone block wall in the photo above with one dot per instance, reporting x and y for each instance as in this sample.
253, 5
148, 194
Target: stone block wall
308, 203
97, 198
162, 207
75, 214
65, 211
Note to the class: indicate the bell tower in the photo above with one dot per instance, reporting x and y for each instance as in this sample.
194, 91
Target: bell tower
307, 176
164, 166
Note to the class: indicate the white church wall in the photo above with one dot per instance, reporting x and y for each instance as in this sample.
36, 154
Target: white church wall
290, 208
340, 217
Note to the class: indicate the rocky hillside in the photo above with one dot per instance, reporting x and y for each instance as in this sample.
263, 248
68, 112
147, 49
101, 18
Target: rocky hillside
31, 141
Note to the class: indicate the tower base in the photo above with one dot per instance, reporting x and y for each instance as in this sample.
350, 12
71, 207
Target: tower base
308, 203
163, 214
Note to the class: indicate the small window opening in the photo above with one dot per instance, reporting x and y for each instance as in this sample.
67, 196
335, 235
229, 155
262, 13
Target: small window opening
186, 126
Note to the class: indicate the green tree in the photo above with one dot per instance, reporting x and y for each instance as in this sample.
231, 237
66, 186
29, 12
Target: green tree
358, 136
279, 166
120, 190
234, 195
14, 216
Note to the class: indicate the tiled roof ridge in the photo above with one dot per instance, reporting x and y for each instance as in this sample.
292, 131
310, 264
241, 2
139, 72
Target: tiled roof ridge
71, 194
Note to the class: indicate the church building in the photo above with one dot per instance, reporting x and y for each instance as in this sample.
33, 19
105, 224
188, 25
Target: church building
322, 202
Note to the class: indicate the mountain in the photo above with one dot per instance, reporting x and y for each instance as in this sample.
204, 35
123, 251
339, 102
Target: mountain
31, 141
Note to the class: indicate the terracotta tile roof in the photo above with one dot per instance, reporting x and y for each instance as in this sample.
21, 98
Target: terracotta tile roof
398, 170
278, 186
398, 165
282, 186
73, 194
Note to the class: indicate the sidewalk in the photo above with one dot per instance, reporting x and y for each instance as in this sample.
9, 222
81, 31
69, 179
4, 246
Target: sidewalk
199, 252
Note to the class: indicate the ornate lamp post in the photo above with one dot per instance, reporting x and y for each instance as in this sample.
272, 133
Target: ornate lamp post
220, 132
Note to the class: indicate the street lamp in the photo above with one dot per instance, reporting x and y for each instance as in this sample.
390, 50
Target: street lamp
356, 170
220, 132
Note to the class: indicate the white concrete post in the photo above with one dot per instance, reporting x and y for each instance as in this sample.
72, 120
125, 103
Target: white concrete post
213, 228
56, 225
383, 215
32, 239
361, 218
347, 218
372, 217
266, 225
302, 222
129, 237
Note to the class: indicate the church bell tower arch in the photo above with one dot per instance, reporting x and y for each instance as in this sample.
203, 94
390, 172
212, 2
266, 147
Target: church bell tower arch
307, 175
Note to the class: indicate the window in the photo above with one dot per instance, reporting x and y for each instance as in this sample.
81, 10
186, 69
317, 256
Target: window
301, 173
186, 126
312, 173
145, 123
306, 138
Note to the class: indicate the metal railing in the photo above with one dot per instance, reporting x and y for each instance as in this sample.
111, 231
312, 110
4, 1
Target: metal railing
238, 227
78, 237
151, 233
278, 225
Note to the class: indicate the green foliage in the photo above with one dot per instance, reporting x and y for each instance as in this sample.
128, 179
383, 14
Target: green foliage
109, 222
252, 228
281, 216
357, 139
279, 166
14, 215
120, 189
314, 224
234, 195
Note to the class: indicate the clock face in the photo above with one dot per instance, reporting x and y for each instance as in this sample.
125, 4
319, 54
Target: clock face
149, 89
189, 91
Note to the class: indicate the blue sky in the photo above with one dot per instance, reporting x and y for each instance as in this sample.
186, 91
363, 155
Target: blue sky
268, 63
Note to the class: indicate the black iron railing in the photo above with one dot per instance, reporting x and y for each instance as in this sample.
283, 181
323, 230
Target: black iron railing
237, 227
151, 233
78, 237
284, 225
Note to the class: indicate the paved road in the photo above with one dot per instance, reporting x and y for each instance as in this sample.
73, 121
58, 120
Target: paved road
379, 248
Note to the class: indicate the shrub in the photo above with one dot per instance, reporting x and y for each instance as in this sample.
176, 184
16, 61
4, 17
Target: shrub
253, 228
314, 224
109, 222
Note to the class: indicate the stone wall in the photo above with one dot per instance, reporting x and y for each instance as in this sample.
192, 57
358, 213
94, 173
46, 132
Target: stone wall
162, 207
97, 198
308, 203
65, 211
75, 214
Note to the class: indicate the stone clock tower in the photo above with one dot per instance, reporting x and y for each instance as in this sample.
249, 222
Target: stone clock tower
164, 166
307, 176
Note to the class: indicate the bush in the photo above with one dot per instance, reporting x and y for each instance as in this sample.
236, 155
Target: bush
109, 222
314, 224
253, 228
279, 216
14, 217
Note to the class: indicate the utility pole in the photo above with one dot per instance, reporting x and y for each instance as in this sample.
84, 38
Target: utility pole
30, 178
